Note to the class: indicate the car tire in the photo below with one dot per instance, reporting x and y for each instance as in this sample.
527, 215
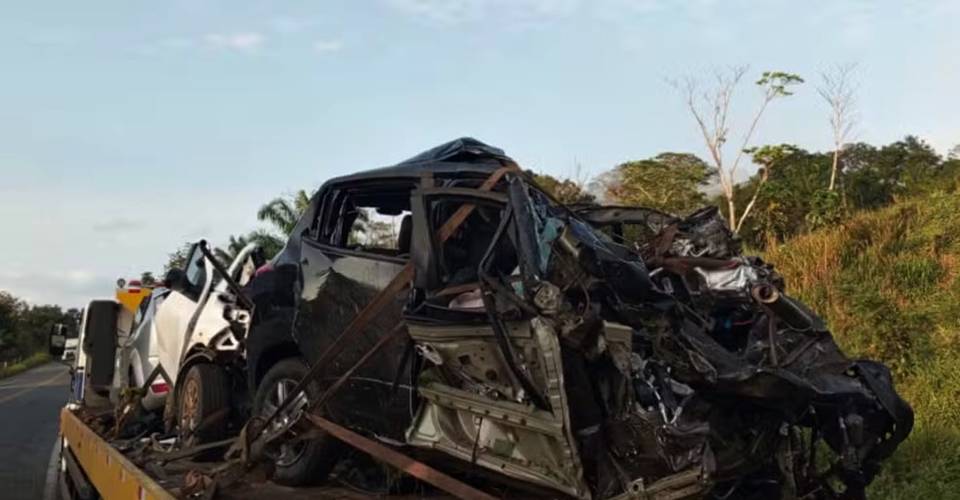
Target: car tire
307, 462
203, 396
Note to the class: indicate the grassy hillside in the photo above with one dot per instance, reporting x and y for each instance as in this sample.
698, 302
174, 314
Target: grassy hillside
888, 282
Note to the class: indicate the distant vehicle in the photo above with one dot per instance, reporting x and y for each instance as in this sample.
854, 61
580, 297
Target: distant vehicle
62, 344
70, 350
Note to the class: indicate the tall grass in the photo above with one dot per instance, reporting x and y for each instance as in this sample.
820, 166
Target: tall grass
24, 365
888, 283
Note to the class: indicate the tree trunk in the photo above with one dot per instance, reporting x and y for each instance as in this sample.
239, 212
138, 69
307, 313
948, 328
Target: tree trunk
732, 214
833, 170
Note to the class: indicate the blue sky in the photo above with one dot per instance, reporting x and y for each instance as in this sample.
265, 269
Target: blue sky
128, 127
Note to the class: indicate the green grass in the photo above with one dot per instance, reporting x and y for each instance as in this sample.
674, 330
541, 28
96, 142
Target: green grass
24, 365
888, 283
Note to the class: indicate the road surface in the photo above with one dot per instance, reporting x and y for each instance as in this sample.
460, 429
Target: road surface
29, 411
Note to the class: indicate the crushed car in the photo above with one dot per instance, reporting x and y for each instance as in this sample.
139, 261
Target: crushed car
592, 352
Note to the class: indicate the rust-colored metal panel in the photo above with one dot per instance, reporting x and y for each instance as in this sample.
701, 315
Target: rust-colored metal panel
114, 477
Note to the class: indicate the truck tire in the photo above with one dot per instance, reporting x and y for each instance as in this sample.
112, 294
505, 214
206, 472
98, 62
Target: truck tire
100, 344
203, 405
305, 462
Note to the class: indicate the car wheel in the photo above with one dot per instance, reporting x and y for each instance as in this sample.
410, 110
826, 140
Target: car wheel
299, 462
203, 405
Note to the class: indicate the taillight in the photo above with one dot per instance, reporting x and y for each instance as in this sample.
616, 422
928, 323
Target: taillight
160, 388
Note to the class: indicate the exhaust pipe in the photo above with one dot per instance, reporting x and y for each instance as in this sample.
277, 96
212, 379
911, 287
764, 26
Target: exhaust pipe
785, 308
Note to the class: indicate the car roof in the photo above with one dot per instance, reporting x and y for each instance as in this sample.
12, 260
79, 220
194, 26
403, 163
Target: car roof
463, 156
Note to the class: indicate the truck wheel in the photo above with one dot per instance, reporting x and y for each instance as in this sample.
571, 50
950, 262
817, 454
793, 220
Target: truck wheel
301, 462
203, 405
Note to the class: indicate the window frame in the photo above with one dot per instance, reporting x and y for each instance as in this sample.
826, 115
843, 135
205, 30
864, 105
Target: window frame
329, 206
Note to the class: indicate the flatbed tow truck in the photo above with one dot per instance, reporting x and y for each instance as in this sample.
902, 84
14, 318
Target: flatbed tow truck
98, 462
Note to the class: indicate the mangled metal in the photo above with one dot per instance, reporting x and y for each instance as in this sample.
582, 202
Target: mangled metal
692, 368
600, 352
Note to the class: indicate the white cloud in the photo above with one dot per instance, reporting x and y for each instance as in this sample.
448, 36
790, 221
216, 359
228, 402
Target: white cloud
245, 41
326, 46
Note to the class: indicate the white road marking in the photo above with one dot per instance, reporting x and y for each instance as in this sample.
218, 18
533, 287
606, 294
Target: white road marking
51, 484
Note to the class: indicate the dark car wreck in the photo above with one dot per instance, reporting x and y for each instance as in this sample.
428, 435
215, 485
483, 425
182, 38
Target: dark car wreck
595, 352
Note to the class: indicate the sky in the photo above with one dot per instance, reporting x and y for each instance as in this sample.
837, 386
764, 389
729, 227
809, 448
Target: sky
129, 127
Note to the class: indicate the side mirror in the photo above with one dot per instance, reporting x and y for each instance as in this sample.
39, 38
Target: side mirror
58, 342
177, 280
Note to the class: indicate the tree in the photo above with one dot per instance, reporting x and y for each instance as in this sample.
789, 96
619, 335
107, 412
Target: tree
568, 191
710, 109
177, 259
877, 176
284, 212
24, 328
268, 242
838, 90
11, 311
147, 279
671, 182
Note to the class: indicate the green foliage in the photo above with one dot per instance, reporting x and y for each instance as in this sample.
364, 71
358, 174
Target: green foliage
794, 198
565, 190
778, 83
282, 213
147, 279
794, 179
671, 182
269, 242
177, 259
24, 329
35, 359
874, 177
826, 209
888, 282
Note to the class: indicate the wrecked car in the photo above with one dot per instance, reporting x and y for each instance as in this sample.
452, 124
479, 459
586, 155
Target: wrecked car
594, 352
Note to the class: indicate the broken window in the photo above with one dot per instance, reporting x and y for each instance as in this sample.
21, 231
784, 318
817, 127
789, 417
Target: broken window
372, 220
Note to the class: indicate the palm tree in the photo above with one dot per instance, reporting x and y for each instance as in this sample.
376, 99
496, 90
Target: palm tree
284, 212
269, 243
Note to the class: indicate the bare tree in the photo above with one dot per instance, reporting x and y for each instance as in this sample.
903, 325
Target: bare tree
710, 107
838, 88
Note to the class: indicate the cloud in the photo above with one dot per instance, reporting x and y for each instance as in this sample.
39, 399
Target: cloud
327, 46
117, 225
244, 42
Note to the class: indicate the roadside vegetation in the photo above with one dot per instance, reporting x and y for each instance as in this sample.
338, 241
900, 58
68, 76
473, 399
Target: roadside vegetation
888, 282
24, 332
8, 370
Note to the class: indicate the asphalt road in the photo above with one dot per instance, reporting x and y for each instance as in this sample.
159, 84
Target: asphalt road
29, 411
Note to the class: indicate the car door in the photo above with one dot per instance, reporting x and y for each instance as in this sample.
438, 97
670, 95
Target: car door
491, 382
352, 253
178, 313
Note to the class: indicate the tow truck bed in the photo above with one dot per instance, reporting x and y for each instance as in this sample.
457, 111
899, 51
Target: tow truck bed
93, 467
